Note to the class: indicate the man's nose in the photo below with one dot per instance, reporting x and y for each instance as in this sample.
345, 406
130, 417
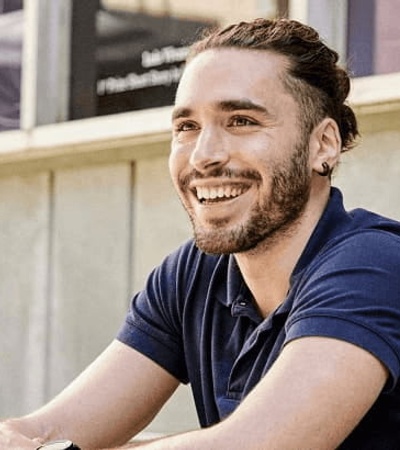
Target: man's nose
210, 151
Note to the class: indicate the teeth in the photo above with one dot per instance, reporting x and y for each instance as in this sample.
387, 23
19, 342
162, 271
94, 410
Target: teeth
205, 193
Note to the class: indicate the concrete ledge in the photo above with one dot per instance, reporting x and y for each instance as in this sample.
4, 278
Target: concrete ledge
376, 101
379, 93
133, 135
117, 137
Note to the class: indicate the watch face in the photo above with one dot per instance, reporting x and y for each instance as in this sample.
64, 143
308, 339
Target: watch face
58, 445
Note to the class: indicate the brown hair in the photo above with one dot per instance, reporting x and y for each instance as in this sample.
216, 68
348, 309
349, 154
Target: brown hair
315, 80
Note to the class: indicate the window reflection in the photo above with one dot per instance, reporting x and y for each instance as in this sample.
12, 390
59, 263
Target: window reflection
140, 54
138, 47
373, 37
11, 24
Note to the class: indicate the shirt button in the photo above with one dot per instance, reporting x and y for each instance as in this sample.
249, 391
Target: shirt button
242, 303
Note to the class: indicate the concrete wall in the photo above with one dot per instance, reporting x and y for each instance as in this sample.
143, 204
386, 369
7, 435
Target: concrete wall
87, 210
369, 174
24, 212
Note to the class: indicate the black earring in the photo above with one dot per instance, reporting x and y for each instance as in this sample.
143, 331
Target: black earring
326, 170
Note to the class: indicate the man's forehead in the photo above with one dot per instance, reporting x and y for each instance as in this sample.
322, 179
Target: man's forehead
234, 56
220, 81
223, 67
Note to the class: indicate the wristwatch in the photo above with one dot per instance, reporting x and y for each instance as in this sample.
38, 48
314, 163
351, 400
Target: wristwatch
59, 445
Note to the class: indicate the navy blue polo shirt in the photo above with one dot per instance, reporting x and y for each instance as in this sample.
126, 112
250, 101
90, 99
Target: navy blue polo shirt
196, 316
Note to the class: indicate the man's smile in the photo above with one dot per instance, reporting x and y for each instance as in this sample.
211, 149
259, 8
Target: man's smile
219, 193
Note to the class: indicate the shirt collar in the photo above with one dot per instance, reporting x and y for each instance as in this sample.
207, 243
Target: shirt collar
228, 278
333, 219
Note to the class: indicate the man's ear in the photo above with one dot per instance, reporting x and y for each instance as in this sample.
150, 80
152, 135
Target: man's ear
325, 145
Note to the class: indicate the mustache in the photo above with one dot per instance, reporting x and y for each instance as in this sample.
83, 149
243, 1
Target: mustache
219, 173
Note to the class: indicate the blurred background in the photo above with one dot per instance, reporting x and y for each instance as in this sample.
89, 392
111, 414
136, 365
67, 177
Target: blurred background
86, 205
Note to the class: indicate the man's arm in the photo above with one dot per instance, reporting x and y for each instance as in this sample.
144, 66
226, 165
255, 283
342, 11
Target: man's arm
112, 400
312, 398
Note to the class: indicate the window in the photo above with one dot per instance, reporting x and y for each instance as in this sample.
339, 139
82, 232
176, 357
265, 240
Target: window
96, 57
373, 36
11, 23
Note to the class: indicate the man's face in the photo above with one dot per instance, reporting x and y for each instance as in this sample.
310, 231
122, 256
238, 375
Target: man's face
239, 160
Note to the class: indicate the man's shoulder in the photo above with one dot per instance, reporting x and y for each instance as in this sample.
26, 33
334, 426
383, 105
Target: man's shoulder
361, 255
361, 242
367, 220
376, 234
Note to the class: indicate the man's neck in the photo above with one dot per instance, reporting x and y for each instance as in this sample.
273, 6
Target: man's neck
267, 268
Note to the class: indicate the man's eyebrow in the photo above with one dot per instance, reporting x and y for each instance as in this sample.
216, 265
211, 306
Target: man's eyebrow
181, 112
243, 104
226, 106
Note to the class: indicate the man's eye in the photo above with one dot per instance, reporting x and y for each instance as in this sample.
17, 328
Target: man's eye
185, 126
240, 121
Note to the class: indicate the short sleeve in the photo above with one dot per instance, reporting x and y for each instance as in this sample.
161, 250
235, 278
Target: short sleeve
153, 323
352, 292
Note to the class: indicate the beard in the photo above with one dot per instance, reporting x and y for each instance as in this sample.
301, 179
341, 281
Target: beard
269, 220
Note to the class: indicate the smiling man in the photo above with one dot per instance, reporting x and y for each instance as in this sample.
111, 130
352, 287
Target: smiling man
239, 158
283, 313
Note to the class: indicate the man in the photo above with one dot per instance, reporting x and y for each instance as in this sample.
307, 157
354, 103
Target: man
284, 313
